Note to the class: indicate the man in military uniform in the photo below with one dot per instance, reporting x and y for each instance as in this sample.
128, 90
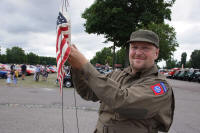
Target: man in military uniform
135, 100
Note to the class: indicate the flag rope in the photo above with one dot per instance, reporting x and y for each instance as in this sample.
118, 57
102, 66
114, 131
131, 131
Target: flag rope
76, 110
62, 97
63, 122
61, 60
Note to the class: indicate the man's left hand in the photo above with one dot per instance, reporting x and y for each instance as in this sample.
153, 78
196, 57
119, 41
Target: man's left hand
76, 59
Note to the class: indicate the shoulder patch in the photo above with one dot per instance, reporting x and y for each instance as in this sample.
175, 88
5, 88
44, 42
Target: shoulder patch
159, 89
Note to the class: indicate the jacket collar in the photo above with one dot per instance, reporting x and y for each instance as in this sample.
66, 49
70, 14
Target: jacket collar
143, 73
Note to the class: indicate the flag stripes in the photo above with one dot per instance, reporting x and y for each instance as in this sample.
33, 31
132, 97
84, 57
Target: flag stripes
62, 45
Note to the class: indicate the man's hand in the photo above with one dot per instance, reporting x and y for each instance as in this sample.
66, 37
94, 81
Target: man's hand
76, 58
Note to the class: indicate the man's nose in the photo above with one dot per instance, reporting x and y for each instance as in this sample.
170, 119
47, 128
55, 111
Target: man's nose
139, 51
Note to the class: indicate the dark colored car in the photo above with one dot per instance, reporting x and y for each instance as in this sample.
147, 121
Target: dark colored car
175, 76
100, 70
182, 74
196, 77
67, 82
191, 75
3, 74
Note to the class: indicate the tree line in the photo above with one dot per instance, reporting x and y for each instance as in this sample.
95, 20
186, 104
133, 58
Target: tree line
194, 61
105, 56
17, 55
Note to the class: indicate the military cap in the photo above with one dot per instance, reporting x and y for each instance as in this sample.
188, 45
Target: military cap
144, 36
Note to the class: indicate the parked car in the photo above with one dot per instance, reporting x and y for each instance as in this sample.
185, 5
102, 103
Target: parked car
100, 70
52, 70
191, 75
67, 82
182, 74
107, 71
3, 71
172, 72
163, 71
30, 70
175, 76
196, 77
5, 67
3, 74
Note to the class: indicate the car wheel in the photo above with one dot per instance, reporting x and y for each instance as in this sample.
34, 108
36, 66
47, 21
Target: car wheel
4, 76
68, 84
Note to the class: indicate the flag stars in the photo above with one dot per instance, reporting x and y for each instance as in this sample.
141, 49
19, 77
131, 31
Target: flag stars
61, 19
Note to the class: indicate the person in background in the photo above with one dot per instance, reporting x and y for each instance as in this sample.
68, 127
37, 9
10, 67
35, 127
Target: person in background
44, 73
37, 73
23, 69
8, 80
12, 69
15, 77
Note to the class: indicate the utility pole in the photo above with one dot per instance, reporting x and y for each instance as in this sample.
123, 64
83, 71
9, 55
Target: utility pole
113, 63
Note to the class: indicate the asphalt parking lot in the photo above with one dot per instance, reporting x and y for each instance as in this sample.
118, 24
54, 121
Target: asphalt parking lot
38, 110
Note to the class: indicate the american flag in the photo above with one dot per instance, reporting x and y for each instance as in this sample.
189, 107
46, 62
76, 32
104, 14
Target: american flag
62, 44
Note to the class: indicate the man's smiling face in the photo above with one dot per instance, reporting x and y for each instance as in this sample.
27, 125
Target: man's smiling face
142, 55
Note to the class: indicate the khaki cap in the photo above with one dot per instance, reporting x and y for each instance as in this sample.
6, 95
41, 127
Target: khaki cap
145, 36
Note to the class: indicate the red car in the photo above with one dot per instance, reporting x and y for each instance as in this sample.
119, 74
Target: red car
52, 70
172, 71
30, 70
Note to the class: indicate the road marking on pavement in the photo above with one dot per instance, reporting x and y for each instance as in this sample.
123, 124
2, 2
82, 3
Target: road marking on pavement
46, 106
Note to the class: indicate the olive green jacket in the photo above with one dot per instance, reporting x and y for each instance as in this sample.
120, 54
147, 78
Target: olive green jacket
128, 103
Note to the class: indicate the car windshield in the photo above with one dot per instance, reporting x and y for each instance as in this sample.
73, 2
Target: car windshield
177, 72
190, 72
197, 73
182, 72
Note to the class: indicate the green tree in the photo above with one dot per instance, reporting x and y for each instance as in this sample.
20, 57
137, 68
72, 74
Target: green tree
105, 56
109, 60
0, 50
167, 42
120, 56
3, 58
116, 19
51, 61
195, 59
188, 64
171, 63
102, 57
183, 58
15, 55
32, 59
47, 60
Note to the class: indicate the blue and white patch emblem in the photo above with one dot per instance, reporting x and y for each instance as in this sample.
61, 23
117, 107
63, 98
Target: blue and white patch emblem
159, 88
163, 86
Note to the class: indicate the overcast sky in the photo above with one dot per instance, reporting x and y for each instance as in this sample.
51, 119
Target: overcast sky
31, 25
